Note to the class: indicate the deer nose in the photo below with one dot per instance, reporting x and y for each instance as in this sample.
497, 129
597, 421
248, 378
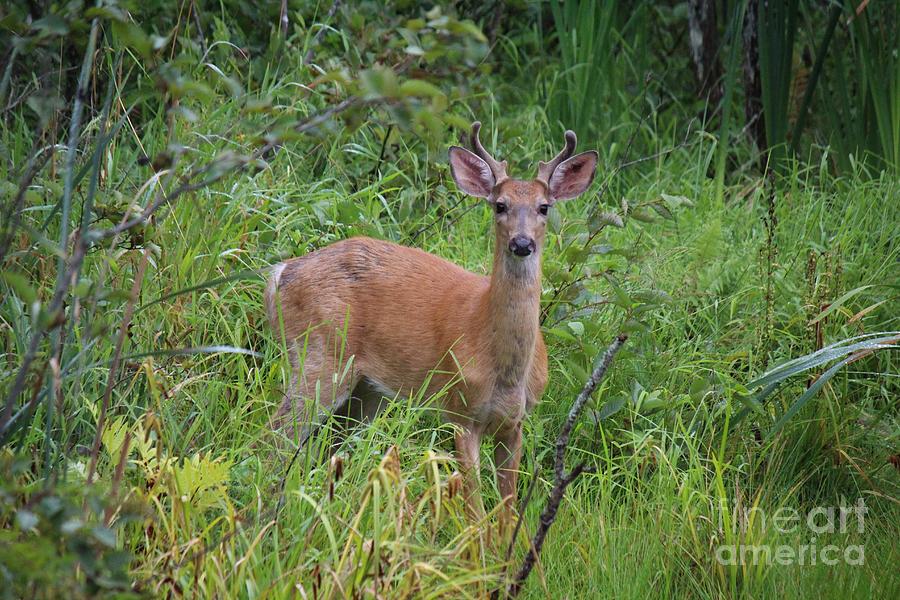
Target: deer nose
521, 245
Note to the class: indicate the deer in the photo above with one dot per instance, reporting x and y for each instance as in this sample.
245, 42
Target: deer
366, 319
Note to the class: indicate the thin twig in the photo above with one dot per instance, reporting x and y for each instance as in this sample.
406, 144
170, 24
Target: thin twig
284, 18
310, 53
11, 217
117, 357
384, 144
684, 143
561, 478
562, 442
117, 477
422, 230
195, 14
9, 426
7, 73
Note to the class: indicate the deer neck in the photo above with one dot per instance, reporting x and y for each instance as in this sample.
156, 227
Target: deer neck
514, 299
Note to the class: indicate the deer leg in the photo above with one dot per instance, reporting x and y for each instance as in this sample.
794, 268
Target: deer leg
468, 450
507, 454
314, 392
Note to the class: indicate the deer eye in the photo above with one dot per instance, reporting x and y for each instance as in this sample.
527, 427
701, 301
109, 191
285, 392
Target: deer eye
543, 208
500, 207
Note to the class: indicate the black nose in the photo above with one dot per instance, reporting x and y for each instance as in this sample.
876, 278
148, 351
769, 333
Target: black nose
521, 245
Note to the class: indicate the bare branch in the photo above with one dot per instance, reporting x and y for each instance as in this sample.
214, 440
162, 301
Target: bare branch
310, 53
117, 356
561, 478
14, 212
562, 442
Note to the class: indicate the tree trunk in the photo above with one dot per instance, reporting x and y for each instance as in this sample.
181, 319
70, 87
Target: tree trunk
704, 42
756, 125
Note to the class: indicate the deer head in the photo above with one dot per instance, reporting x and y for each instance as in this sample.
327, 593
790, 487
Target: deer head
521, 206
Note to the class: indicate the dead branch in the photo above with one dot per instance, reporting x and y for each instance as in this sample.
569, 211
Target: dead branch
561, 478
114, 365
318, 37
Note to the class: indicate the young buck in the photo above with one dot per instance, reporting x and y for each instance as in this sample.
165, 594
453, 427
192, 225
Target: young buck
365, 318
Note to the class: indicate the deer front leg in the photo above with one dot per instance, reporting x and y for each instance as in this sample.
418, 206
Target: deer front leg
468, 450
507, 454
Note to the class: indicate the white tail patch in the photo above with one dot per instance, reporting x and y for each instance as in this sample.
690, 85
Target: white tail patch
272, 286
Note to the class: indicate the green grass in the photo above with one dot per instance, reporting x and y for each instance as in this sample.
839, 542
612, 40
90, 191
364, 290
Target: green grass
672, 476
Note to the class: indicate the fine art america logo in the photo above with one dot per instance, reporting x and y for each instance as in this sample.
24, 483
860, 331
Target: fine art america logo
818, 521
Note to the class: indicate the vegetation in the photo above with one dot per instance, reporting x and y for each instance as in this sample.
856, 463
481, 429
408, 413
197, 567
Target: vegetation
155, 157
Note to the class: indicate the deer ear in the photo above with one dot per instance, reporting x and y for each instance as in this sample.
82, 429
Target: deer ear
471, 174
573, 176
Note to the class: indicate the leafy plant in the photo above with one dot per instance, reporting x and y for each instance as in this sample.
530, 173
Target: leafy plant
847, 351
60, 542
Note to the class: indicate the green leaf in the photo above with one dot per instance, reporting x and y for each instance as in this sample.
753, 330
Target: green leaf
420, 87
608, 218
662, 210
637, 390
379, 82
51, 25
201, 480
611, 407
602, 248
750, 403
675, 201
772, 380
652, 401
26, 520
113, 438
70, 526
104, 535
839, 302
806, 396
83, 288
621, 299
825, 355
113, 13
634, 326
158, 42
561, 334
577, 327
466, 28
642, 215
652, 297
20, 286
575, 255
234, 87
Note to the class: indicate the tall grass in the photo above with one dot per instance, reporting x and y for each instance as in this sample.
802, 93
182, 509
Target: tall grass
878, 68
854, 109
587, 78
598, 59
777, 34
